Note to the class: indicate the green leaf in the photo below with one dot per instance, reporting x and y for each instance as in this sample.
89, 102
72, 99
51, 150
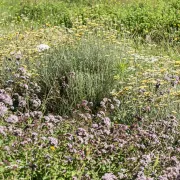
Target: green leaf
156, 161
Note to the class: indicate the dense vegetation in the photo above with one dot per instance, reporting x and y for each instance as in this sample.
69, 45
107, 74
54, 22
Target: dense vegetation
89, 90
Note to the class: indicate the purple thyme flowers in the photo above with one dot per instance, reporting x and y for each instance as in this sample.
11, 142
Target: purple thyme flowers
5, 98
109, 176
53, 141
12, 119
3, 109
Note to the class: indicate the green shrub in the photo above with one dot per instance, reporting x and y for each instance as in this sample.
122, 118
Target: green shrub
84, 71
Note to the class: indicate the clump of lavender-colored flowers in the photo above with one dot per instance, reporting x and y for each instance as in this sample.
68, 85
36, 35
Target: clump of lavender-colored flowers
89, 145
109, 176
3, 109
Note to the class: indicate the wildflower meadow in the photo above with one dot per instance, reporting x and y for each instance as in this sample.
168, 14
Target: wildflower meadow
89, 90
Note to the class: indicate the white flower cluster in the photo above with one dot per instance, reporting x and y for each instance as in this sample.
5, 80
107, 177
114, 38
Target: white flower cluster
42, 47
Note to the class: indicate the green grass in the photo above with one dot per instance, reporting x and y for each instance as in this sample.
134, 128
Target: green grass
87, 69
160, 21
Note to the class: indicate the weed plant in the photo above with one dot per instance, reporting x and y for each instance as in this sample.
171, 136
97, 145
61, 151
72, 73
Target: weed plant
83, 71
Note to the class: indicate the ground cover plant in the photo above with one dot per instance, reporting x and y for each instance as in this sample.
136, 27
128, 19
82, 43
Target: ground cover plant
90, 93
144, 19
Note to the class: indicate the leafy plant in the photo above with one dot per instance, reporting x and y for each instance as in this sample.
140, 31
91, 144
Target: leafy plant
83, 71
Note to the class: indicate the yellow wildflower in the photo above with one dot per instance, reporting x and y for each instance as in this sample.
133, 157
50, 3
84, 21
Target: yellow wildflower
147, 93
144, 81
128, 88
52, 148
177, 63
163, 70
142, 87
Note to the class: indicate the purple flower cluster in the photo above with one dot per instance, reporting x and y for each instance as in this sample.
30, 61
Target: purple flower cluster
5, 98
12, 119
3, 109
109, 176
89, 145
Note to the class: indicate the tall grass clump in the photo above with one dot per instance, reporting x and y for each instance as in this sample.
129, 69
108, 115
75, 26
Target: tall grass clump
83, 71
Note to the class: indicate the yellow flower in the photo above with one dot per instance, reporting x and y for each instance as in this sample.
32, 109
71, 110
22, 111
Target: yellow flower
77, 35
144, 81
163, 70
128, 88
147, 93
176, 93
52, 148
153, 82
120, 93
177, 63
174, 112
142, 87
47, 24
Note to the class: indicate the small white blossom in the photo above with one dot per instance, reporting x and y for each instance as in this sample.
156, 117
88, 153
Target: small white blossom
42, 47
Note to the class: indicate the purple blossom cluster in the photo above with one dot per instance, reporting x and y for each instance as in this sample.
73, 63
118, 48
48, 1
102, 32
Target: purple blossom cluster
5, 98
109, 176
3, 109
89, 145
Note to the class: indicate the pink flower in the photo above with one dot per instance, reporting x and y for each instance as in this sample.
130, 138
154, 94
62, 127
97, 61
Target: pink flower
3, 109
5, 98
109, 176
12, 119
